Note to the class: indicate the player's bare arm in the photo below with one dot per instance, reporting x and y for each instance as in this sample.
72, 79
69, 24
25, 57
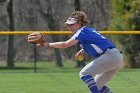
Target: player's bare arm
64, 44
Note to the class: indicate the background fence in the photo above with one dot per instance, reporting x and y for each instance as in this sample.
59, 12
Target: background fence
61, 33
64, 32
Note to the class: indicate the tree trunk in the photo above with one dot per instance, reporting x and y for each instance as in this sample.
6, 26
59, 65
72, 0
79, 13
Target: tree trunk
52, 26
10, 38
77, 5
79, 63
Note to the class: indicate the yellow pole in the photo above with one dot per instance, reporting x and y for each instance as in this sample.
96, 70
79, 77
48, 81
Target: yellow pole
63, 32
29, 32
119, 32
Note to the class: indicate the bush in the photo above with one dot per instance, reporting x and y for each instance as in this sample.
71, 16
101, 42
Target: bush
126, 16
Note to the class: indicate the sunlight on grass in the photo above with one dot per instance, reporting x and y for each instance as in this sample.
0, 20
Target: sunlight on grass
51, 79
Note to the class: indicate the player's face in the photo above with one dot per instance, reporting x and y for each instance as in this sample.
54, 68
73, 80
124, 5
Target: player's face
73, 27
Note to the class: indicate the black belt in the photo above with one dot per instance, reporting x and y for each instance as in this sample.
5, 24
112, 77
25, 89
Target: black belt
112, 48
109, 48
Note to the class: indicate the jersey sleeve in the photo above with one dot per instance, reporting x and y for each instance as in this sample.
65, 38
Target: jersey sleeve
77, 36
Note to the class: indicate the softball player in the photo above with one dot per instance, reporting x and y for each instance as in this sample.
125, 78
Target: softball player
108, 58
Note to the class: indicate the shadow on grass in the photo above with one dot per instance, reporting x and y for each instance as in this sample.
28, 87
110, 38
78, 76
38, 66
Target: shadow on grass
39, 69
16, 68
129, 69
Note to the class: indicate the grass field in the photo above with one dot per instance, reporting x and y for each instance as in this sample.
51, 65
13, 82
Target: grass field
50, 79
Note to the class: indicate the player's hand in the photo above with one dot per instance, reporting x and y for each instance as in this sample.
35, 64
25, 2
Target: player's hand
36, 38
80, 55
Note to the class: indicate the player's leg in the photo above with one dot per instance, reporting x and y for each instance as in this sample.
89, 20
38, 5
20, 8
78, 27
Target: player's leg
105, 89
87, 73
103, 64
113, 63
90, 82
102, 79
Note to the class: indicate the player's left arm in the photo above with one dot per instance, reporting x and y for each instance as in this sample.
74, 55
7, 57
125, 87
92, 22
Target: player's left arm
64, 44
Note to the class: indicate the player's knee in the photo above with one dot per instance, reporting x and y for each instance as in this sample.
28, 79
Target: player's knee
83, 73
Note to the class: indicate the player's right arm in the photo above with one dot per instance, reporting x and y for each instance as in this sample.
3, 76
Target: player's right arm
64, 44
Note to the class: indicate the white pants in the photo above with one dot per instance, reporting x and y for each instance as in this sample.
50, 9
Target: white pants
104, 67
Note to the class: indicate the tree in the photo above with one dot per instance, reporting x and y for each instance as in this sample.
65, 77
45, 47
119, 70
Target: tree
49, 17
10, 38
126, 16
26, 17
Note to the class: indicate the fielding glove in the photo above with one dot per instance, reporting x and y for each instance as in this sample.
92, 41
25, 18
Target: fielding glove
36, 38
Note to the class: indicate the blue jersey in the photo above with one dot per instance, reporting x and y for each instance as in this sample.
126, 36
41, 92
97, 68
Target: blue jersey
92, 42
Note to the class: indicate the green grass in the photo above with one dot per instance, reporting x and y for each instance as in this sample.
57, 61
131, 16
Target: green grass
51, 79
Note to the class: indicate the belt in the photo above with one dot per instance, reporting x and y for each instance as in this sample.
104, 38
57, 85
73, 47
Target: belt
109, 48
114, 47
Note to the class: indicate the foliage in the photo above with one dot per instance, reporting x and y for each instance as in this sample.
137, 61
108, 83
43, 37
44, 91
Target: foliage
126, 16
